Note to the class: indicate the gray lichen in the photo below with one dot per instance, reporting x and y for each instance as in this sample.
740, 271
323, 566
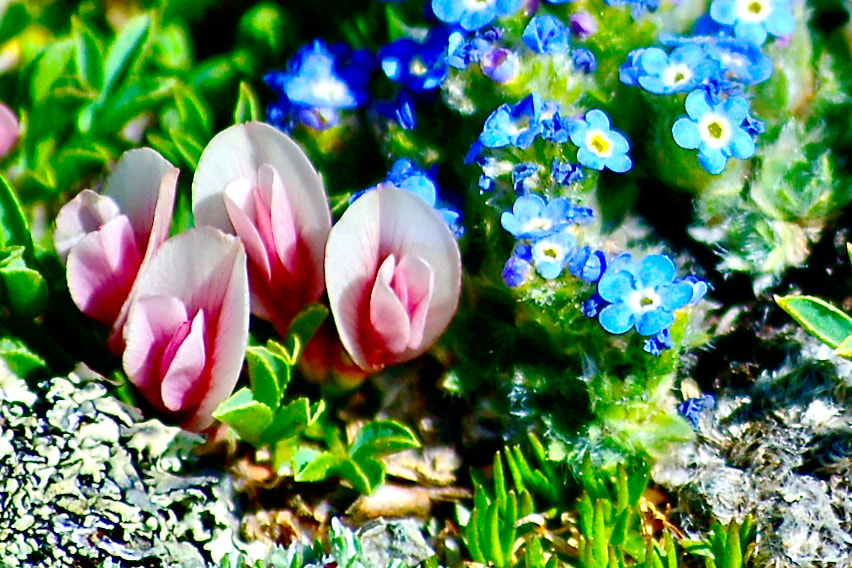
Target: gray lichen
781, 452
85, 482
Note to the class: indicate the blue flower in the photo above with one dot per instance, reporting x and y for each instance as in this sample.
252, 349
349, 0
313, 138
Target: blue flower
546, 34
658, 343
714, 129
513, 125
752, 19
404, 175
566, 173
501, 65
473, 14
692, 408
584, 60
320, 80
738, 60
532, 217
400, 110
517, 269
682, 70
418, 66
461, 52
600, 147
550, 253
586, 264
643, 295
524, 175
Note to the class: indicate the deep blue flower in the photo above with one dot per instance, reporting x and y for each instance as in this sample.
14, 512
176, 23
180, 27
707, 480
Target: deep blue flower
658, 343
400, 110
584, 60
752, 19
551, 252
473, 14
683, 70
405, 175
566, 173
462, 51
753, 126
591, 307
523, 175
532, 217
714, 130
513, 125
418, 66
554, 127
600, 147
692, 408
501, 65
630, 70
546, 34
320, 80
643, 295
517, 269
586, 264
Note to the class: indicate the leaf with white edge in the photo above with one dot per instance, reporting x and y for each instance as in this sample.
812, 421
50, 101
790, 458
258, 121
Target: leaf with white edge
26, 289
381, 438
360, 479
304, 326
14, 230
248, 105
269, 375
818, 317
293, 419
124, 51
248, 417
90, 57
314, 465
50, 68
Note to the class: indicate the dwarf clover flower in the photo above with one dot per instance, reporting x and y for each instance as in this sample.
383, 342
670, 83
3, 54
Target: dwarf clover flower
600, 147
473, 14
682, 70
513, 125
753, 19
550, 253
418, 66
643, 295
546, 34
714, 130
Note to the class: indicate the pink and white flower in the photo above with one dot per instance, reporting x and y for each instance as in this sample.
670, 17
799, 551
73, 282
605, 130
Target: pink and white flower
393, 271
187, 326
105, 239
9, 129
255, 182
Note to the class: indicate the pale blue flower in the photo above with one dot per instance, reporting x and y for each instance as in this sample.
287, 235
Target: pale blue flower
600, 147
684, 69
551, 253
474, 14
753, 19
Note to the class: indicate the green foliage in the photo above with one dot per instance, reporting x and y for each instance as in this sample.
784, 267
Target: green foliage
726, 546
22, 287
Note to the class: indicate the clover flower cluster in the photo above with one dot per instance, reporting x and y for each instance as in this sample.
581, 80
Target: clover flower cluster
714, 65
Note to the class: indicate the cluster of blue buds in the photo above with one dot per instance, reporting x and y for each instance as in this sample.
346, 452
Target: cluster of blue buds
714, 65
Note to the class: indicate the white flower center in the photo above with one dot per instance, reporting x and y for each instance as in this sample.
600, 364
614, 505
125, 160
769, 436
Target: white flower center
331, 90
715, 130
548, 251
676, 75
537, 224
416, 67
478, 5
753, 10
599, 143
642, 301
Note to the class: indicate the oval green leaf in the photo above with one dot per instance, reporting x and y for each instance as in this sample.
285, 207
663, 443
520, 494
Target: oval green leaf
818, 317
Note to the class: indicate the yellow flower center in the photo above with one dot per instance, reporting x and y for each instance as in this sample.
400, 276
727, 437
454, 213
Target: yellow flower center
598, 143
715, 130
752, 10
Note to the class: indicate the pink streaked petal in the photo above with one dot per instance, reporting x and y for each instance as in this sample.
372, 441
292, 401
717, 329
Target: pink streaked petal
101, 269
282, 215
183, 378
206, 270
141, 180
9, 129
86, 213
151, 323
388, 315
240, 205
415, 277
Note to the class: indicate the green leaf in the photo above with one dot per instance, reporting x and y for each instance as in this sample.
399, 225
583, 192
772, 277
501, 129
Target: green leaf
473, 536
600, 536
265, 28
173, 48
492, 536
248, 105
50, 68
190, 148
500, 493
143, 95
818, 317
248, 417
26, 289
13, 21
314, 465
733, 549
381, 438
14, 230
373, 470
304, 326
90, 58
269, 375
508, 519
124, 51
352, 471
292, 419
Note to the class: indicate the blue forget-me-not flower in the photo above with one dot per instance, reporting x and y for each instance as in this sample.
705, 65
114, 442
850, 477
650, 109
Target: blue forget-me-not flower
417, 66
513, 125
546, 34
550, 253
600, 146
473, 14
714, 129
642, 294
753, 19
684, 69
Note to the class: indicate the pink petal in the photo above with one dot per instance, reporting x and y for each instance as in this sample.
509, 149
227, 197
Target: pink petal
413, 283
382, 222
101, 269
9, 129
151, 324
387, 313
282, 215
206, 270
143, 184
86, 213
183, 379
240, 204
